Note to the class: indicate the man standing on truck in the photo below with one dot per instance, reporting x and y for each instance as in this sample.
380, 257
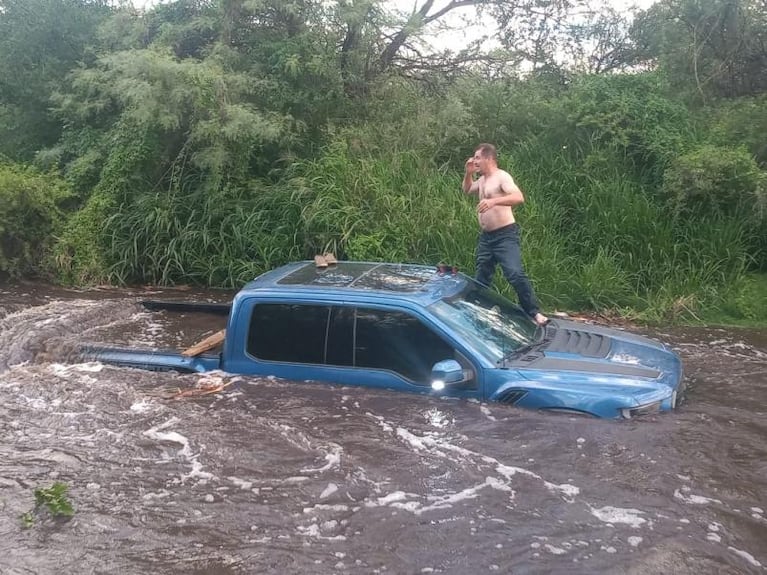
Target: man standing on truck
499, 235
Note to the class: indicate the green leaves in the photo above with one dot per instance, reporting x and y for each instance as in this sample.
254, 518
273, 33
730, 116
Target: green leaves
30, 214
52, 499
716, 181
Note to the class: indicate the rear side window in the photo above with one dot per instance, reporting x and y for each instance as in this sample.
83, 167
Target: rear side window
288, 332
398, 342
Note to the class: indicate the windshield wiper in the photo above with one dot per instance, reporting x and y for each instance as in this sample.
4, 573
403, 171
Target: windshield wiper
541, 341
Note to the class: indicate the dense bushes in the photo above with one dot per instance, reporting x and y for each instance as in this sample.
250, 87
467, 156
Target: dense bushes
30, 216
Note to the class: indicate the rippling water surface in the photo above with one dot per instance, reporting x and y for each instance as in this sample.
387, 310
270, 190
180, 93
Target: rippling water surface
270, 476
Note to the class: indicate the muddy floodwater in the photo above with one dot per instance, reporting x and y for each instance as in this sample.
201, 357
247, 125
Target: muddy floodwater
271, 476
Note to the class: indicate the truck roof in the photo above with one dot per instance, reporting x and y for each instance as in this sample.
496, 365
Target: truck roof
413, 282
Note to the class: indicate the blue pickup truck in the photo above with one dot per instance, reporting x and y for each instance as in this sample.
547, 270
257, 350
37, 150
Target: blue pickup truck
421, 329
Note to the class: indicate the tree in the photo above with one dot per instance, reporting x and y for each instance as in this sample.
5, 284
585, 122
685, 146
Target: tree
40, 42
719, 47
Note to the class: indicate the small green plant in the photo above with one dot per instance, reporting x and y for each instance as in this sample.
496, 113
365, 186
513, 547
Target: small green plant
54, 499
27, 519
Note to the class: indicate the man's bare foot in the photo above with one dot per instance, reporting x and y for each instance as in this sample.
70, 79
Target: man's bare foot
540, 319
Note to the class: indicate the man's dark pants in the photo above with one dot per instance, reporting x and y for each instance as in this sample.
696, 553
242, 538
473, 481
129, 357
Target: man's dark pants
502, 247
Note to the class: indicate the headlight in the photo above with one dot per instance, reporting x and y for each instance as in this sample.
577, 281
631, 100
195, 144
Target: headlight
438, 385
647, 409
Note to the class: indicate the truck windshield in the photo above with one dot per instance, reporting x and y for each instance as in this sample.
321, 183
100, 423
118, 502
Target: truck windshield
492, 324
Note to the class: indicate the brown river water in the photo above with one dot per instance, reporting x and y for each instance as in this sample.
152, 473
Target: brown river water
271, 476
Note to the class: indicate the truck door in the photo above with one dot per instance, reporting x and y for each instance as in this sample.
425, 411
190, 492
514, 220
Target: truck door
350, 345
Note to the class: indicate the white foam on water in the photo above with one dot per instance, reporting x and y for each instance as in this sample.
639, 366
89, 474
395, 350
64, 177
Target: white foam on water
757, 510
682, 495
333, 460
158, 434
329, 490
60, 369
37, 403
197, 472
409, 501
554, 550
438, 419
566, 489
419, 443
715, 537
313, 530
143, 406
241, 483
162, 494
294, 479
323, 507
302, 441
91, 367
394, 496
487, 413
745, 555
634, 541
446, 501
441, 447
610, 514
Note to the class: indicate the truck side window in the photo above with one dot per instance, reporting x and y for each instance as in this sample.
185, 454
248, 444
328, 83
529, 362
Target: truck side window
398, 342
288, 332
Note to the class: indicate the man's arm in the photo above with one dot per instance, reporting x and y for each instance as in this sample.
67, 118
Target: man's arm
470, 185
512, 195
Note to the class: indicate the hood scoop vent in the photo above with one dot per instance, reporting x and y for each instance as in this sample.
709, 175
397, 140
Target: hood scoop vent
578, 342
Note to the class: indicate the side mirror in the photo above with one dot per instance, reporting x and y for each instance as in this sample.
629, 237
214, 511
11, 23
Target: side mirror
444, 373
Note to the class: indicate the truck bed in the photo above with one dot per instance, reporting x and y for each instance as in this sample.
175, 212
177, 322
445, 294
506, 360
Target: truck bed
204, 355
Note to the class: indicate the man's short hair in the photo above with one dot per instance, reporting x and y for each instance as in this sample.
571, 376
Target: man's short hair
487, 151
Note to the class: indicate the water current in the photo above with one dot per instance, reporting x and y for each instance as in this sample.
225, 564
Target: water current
271, 476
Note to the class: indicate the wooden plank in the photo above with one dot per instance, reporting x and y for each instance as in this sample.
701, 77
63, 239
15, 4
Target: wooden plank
206, 344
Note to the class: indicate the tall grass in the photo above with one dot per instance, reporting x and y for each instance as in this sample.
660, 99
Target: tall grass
622, 246
593, 236
222, 239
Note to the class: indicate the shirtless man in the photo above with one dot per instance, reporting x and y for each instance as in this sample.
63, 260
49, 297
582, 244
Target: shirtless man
499, 238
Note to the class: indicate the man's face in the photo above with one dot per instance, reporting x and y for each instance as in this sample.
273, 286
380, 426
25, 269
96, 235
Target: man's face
480, 162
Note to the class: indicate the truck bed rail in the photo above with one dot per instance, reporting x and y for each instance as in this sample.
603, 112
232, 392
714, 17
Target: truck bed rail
182, 306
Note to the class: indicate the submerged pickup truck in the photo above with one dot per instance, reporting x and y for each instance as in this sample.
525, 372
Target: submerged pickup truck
420, 329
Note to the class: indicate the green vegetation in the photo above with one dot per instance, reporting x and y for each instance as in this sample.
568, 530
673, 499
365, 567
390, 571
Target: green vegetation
30, 215
205, 142
54, 500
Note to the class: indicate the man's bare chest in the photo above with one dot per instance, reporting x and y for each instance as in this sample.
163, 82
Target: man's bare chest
490, 189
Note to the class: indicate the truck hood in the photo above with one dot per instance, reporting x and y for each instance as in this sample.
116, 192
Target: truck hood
603, 352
